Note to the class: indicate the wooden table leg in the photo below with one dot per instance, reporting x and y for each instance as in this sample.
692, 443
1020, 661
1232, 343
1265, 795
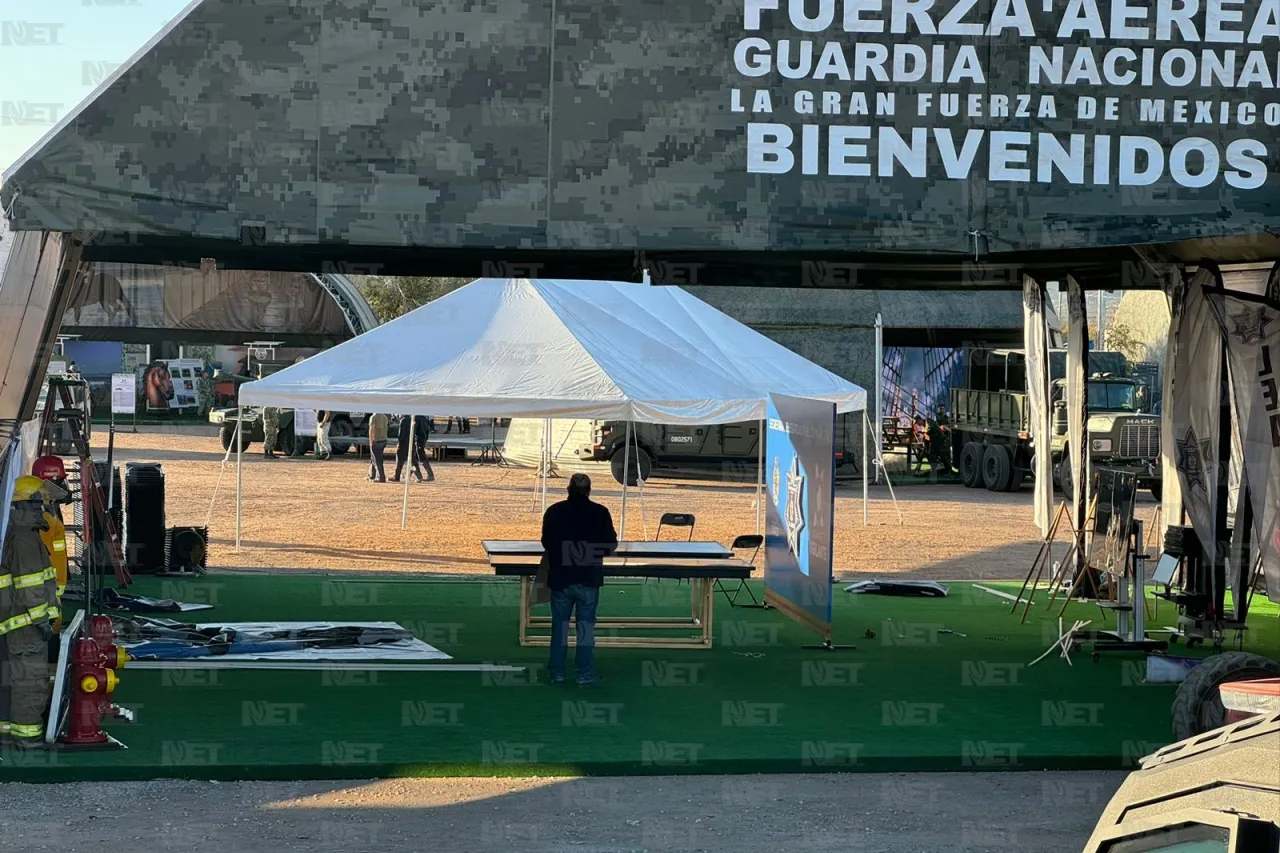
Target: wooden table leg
526, 608
708, 607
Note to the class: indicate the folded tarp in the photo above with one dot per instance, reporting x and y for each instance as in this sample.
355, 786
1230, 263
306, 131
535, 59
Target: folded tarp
160, 639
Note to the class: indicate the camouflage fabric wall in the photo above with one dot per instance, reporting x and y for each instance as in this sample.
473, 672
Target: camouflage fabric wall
675, 124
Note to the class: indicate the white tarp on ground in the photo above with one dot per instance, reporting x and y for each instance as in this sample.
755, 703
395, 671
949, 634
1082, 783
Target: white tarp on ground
401, 651
558, 349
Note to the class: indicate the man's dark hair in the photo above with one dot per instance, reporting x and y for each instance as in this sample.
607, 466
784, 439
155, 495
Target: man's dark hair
579, 485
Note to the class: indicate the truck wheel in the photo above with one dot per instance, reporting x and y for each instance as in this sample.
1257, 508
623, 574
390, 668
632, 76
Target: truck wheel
639, 456
228, 437
285, 441
997, 468
971, 465
337, 431
1197, 706
1065, 482
1157, 491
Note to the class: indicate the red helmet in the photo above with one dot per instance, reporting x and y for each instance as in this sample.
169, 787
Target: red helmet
49, 468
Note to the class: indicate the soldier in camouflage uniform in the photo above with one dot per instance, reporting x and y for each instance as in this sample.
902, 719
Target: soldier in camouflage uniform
270, 430
204, 388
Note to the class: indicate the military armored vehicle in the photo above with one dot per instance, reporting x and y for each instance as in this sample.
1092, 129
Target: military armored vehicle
728, 449
1213, 793
347, 430
991, 430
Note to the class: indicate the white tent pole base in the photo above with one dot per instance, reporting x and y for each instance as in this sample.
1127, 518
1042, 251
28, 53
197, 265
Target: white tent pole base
880, 469
760, 478
239, 470
412, 460
866, 476
626, 468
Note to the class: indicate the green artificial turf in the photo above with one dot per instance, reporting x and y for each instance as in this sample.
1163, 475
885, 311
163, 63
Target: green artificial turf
912, 698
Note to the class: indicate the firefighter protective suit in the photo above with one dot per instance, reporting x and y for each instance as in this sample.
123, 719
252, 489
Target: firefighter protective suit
28, 607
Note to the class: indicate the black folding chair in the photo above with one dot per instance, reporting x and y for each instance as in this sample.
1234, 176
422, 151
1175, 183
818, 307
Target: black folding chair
747, 542
675, 519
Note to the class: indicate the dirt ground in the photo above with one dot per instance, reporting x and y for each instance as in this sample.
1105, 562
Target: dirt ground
890, 813
304, 514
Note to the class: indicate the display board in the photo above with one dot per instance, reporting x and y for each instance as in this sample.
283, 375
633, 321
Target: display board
918, 380
800, 505
304, 422
124, 394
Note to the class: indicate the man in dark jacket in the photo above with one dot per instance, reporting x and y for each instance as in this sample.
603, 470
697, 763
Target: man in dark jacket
577, 534
421, 432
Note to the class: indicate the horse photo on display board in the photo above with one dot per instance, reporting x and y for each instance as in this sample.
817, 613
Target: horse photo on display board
157, 384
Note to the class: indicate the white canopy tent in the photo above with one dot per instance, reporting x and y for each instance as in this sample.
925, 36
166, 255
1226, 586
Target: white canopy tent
557, 349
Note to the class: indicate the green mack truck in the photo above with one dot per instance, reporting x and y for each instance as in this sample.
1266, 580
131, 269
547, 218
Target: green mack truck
991, 431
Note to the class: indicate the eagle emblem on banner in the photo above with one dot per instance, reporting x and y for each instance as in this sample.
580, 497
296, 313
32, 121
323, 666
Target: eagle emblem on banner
795, 509
1250, 325
1191, 459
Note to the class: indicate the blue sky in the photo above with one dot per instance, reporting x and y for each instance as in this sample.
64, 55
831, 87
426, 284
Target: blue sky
53, 53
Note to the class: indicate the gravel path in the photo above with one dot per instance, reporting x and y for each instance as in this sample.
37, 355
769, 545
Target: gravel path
909, 813
310, 515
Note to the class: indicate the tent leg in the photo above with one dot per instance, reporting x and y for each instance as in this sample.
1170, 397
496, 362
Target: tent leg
404, 505
239, 470
866, 513
626, 467
760, 477
644, 522
879, 434
546, 460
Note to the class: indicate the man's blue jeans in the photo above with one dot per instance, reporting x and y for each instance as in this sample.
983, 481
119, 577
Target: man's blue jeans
580, 601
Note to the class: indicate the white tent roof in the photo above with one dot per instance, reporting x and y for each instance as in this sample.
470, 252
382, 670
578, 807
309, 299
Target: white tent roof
557, 349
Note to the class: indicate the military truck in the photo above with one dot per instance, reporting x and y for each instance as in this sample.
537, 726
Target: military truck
347, 429
730, 449
991, 429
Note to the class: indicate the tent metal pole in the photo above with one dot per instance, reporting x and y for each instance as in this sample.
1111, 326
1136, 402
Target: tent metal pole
626, 469
413, 461
760, 477
866, 474
546, 459
879, 382
239, 469
644, 522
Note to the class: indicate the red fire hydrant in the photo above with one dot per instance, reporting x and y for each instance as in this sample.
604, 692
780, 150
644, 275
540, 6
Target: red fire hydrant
94, 660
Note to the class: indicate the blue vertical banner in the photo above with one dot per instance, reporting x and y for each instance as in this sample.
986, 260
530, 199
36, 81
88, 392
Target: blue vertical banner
799, 507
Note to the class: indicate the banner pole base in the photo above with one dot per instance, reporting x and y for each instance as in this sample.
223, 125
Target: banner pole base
826, 646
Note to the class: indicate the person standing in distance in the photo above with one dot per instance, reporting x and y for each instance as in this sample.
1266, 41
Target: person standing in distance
378, 434
577, 534
323, 419
270, 431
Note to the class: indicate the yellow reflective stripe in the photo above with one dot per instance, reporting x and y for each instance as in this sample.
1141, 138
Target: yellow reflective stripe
6, 581
62, 587
59, 544
34, 579
5, 725
40, 611
13, 623
26, 729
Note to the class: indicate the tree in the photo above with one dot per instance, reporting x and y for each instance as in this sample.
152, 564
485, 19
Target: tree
1121, 339
391, 296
